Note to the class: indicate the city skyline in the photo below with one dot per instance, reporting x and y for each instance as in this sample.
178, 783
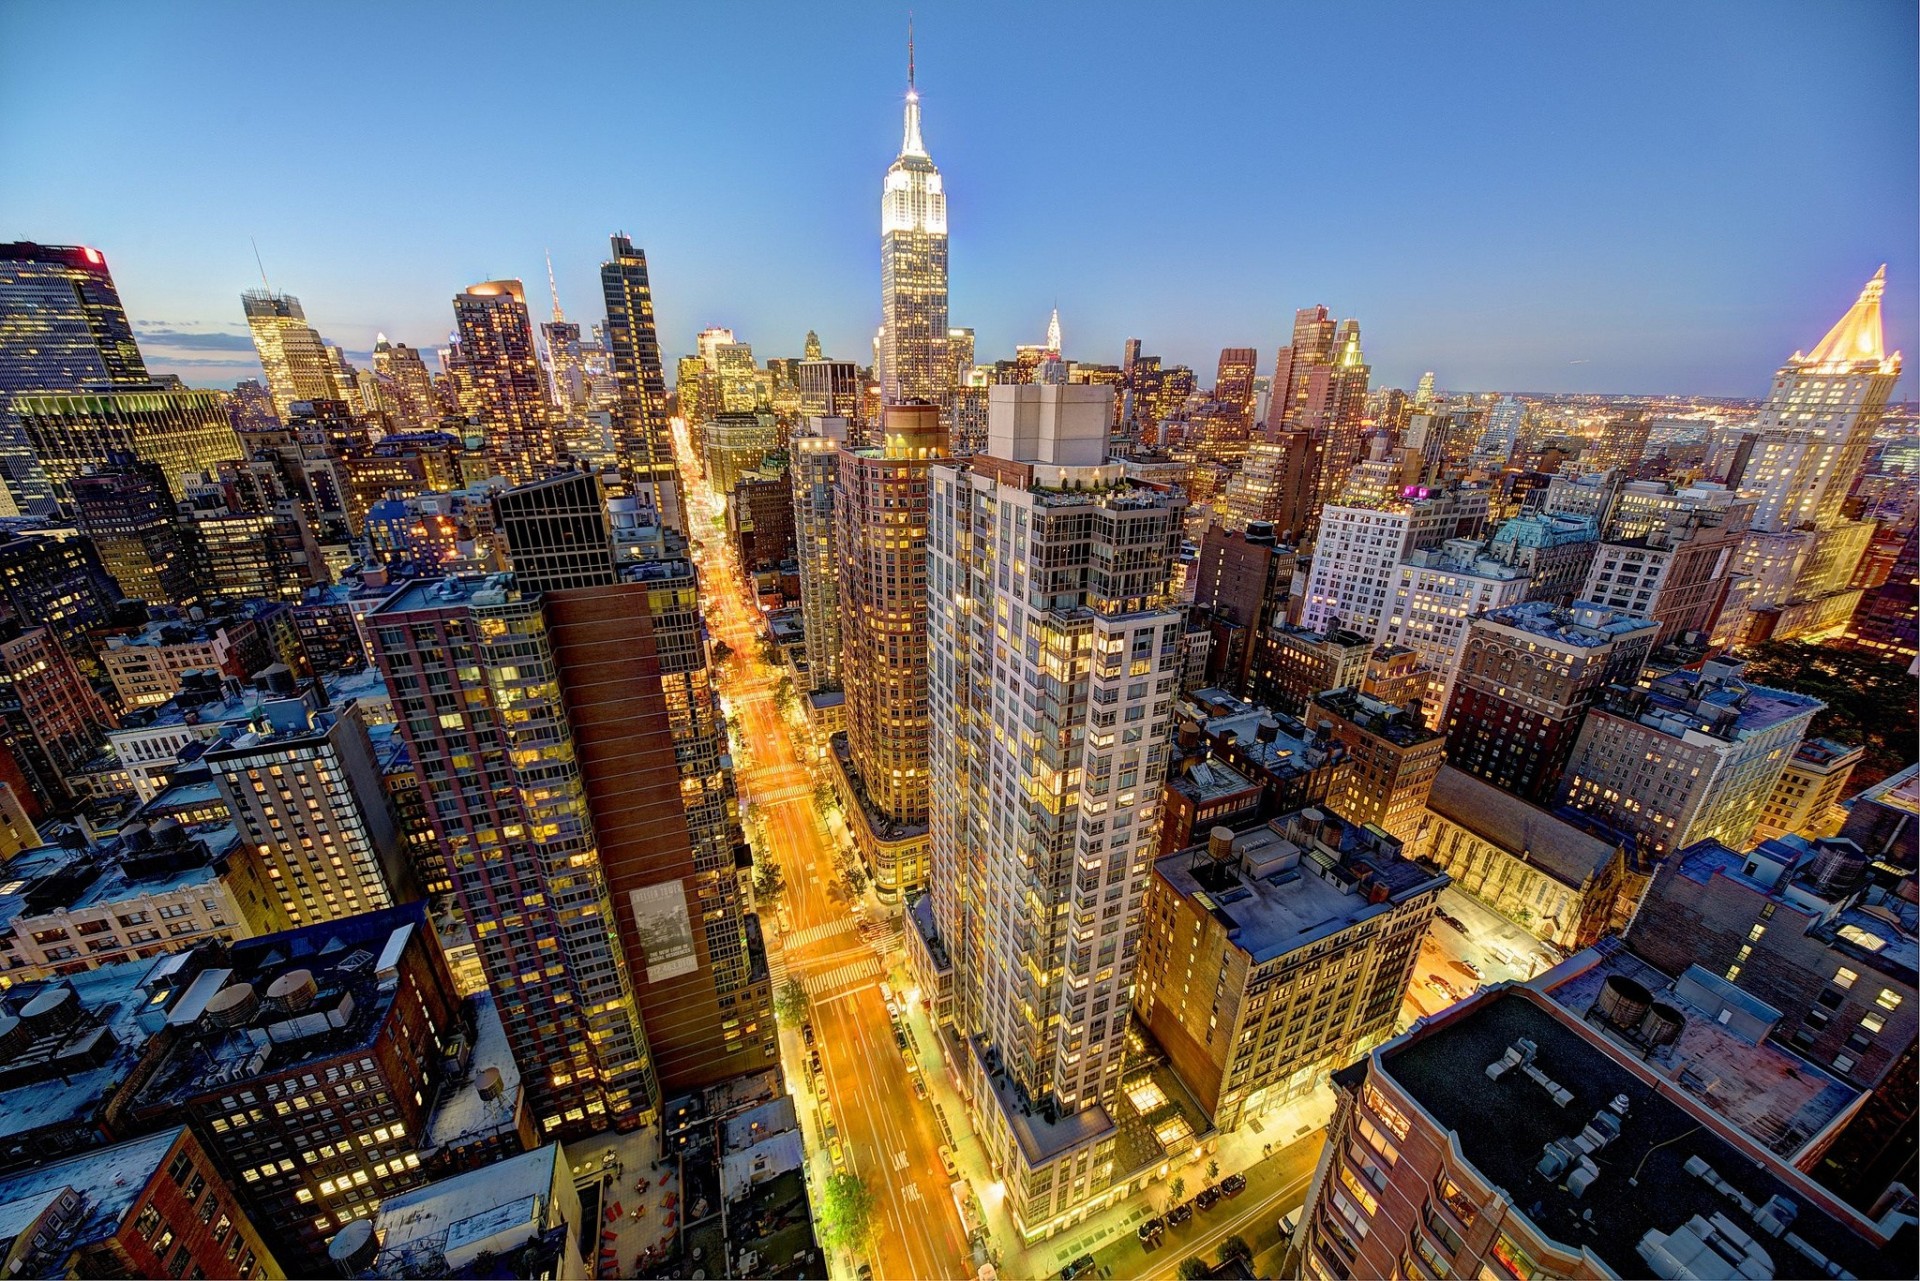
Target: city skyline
1693, 277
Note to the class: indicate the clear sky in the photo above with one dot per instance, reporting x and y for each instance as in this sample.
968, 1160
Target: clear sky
1664, 197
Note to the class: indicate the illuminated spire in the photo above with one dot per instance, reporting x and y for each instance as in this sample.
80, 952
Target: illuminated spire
1053, 333
1858, 336
554, 289
912, 146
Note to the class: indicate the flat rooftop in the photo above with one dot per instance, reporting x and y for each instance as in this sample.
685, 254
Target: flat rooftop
1040, 1140
1279, 894
1563, 850
455, 1214
1504, 1126
108, 1180
1583, 626
1777, 1098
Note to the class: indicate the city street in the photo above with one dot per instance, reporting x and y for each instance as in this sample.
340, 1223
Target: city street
886, 1134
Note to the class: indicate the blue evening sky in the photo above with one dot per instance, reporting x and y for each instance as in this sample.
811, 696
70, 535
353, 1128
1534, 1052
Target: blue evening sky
1628, 197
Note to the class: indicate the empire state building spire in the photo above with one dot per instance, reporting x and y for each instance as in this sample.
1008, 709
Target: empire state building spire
912, 352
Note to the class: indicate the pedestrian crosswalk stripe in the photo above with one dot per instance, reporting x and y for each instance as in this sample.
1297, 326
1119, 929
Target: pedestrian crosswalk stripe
814, 933
851, 973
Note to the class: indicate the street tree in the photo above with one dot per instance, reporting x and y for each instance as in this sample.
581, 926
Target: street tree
1194, 1268
769, 882
1213, 1172
845, 1215
1235, 1246
1176, 1192
790, 1003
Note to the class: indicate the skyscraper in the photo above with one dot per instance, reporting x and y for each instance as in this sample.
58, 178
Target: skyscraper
185, 431
913, 268
815, 473
291, 352
127, 509
1819, 419
62, 329
642, 431
1049, 579
509, 388
880, 508
410, 385
1233, 382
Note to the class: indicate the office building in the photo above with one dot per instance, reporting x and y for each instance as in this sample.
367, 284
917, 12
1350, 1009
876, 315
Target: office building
51, 721
828, 389
739, 378
1527, 677
881, 505
148, 666
912, 364
149, 1207
1291, 766
472, 669
1887, 619
1233, 381
504, 378
1358, 552
760, 519
520, 1218
1037, 898
1392, 760
1240, 585
1271, 956
815, 473
1435, 594
1802, 926
408, 385
62, 329
126, 510
292, 354
1553, 551
1559, 881
1668, 555
1513, 1136
1292, 664
1505, 422
305, 791
308, 1065
56, 580
1694, 757
1806, 800
738, 444
1274, 484
184, 431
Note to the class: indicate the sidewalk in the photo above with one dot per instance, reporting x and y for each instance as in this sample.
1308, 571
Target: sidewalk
1247, 1150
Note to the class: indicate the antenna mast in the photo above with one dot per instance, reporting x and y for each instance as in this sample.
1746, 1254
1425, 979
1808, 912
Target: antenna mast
554, 289
261, 265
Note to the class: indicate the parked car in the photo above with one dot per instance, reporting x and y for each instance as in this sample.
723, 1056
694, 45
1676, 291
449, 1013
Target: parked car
919, 1088
900, 1038
1233, 1185
946, 1159
838, 1154
1207, 1198
1466, 967
806, 1032
1179, 1214
865, 1272
1454, 921
1078, 1268
1287, 1224
1151, 1231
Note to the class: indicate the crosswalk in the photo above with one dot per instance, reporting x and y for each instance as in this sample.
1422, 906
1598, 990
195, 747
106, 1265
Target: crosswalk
814, 933
853, 972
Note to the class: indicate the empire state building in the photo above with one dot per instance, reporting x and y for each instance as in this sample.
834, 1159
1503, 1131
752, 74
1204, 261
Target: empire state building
913, 269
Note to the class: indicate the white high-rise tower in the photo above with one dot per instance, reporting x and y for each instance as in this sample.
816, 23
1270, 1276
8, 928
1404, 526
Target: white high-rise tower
912, 355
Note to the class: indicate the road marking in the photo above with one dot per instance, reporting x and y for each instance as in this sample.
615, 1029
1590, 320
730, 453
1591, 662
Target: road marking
817, 984
899, 1160
841, 996
814, 933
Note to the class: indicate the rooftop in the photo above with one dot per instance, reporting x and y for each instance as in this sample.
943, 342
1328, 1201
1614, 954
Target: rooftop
1381, 719
352, 969
1552, 842
1647, 1175
1722, 1055
1715, 702
1297, 880
49, 879
444, 1227
1540, 529
1584, 625
1824, 753
1041, 1140
108, 1181
463, 1114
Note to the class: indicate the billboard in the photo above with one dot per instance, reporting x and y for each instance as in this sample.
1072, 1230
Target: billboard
661, 924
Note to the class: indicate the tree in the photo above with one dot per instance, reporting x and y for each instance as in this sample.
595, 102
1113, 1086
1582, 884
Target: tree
845, 1215
1193, 1269
1235, 1247
1861, 692
769, 882
722, 651
790, 1003
1213, 1172
856, 877
1176, 1192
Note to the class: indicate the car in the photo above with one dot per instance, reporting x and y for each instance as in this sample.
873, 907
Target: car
820, 1086
1454, 921
1179, 1214
837, 1153
813, 1060
865, 1272
919, 1088
1207, 1198
1288, 1224
1150, 1232
806, 1033
1233, 1185
1466, 967
1078, 1268
900, 1038
946, 1160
